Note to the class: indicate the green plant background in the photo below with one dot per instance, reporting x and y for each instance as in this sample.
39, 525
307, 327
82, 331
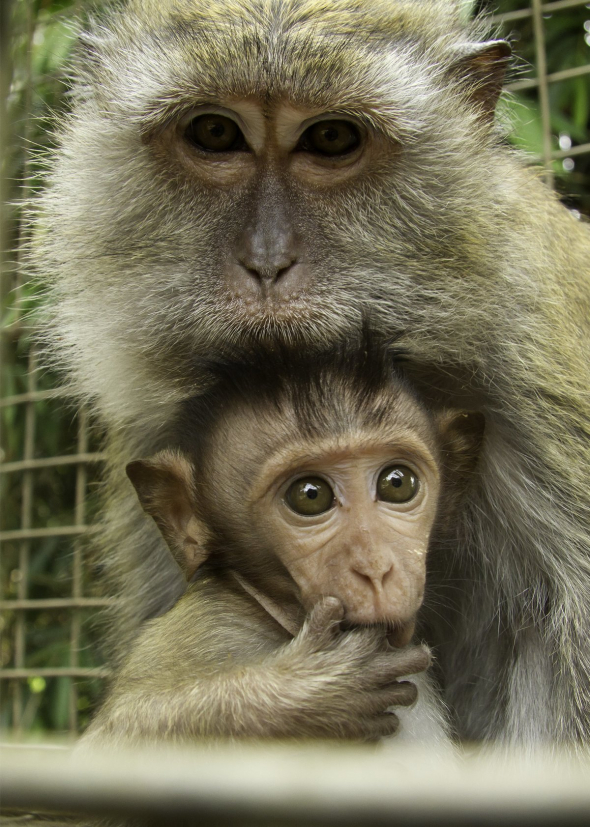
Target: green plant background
36, 91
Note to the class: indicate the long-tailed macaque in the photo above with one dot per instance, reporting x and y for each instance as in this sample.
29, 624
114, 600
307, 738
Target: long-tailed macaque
301, 489
255, 170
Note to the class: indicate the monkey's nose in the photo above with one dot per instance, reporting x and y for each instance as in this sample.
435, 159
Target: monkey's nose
267, 251
277, 279
375, 578
265, 271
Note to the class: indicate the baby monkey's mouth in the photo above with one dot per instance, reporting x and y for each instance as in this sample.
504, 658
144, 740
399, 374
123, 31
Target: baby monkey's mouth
397, 634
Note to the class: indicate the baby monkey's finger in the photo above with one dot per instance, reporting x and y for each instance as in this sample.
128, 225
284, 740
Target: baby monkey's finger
381, 726
387, 668
398, 694
409, 661
323, 621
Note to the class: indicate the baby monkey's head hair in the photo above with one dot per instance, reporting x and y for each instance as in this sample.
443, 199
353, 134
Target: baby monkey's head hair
314, 392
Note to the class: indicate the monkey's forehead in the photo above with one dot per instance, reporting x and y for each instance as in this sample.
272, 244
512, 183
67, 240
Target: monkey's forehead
276, 441
287, 16
321, 55
350, 445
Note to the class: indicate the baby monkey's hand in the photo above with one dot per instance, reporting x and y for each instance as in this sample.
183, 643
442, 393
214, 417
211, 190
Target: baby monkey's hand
349, 679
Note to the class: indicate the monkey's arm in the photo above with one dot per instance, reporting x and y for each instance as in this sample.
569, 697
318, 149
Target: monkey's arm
322, 684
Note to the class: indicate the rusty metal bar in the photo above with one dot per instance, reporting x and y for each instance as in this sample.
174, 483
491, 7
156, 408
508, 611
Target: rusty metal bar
554, 77
24, 549
51, 462
80, 517
29, 439
55, 672
56, 603
543, 88
560, 5
280, 786
40, 533
581, 149
36, 396
546, 8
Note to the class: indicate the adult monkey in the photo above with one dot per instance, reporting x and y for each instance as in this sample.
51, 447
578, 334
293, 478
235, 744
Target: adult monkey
276, 170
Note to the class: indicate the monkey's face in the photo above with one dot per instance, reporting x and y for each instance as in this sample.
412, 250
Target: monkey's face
353, 522
269, 190
347, 515
265, 171
269, 174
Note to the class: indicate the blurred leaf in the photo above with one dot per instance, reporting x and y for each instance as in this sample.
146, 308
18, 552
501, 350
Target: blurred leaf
54, 38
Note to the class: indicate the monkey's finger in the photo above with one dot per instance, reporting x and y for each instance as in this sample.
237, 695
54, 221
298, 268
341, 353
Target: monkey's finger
398, 694
397, 664
381, 726
322, 622
403, 693
382, 670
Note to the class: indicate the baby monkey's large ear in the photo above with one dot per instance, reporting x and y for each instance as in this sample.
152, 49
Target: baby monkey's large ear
165, 486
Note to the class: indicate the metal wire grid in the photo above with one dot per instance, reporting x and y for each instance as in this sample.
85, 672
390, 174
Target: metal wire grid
542, 79
26, 536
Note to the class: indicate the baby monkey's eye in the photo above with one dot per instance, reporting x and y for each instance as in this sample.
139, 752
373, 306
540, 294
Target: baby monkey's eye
397, 484
215, 133
309, 495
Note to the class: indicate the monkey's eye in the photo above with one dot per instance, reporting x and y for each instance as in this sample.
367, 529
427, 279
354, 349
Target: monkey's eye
309, 495
215, 133
397, 484
330, 138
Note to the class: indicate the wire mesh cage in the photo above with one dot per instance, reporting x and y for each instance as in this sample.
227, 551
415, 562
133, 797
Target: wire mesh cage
51, 670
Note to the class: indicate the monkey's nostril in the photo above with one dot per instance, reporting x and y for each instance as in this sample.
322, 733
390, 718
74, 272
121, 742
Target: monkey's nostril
284, 270
364, 577
376, 581
269, 273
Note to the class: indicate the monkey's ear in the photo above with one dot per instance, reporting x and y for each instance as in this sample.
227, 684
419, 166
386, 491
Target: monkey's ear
482, 68
165, 487
462, 438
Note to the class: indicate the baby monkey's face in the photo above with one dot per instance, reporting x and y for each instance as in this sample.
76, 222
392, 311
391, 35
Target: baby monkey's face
347, 515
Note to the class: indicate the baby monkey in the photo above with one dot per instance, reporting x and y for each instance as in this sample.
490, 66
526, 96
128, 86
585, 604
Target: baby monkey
300, 504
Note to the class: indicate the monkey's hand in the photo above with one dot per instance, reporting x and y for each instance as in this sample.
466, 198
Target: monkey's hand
342, 684
325, 683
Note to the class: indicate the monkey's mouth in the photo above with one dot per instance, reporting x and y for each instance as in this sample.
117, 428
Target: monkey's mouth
264, 311
302, 308
294, 323
397, 634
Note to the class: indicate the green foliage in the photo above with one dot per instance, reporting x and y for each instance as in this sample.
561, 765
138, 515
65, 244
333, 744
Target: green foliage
567, 46
36, 92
